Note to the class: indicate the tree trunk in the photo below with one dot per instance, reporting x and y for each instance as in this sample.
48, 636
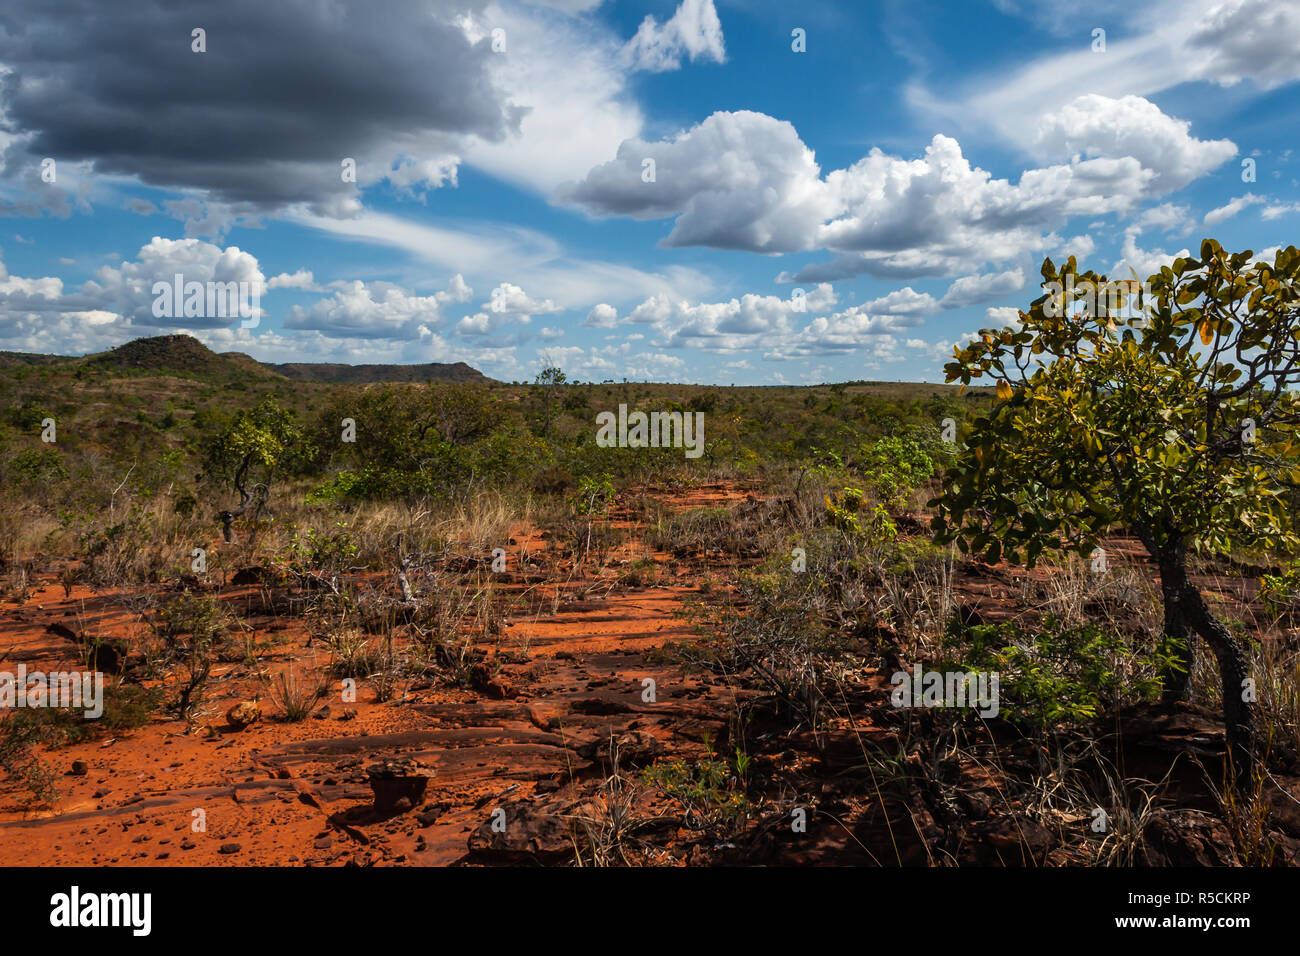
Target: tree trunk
403, 562
228, 516
1176, 678
1192, 612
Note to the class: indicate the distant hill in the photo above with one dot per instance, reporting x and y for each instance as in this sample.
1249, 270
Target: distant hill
10, 359
351, 374
176, 353
186, 355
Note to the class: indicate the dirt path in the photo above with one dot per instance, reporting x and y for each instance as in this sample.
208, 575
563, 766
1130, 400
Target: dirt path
539, 732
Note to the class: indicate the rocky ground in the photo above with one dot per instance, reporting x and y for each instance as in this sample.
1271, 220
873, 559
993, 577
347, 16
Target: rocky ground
538, 760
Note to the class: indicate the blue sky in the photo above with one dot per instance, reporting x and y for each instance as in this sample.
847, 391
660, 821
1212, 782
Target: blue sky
847, 211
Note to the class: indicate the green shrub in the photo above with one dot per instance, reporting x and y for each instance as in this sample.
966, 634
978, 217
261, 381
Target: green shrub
708, 789
1280, 592
1054, 674
322, 551
126, 707
36, 466
894, 466
594, 496
198, 615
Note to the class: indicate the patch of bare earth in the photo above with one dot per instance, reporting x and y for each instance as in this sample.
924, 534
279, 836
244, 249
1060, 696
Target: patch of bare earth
514, 767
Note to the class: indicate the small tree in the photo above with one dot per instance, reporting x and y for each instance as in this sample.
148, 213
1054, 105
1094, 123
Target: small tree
1176, 423
551, 378
460, 413
253, 445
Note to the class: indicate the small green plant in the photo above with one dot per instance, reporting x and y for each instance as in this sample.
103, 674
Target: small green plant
823, 464
708, 789
895, 465
842, 510
742, 764
353, 654
845, 511
594, 496
195, 614
195, 668
1058, 675
642, 572
38, 778
1281, 592
322, 552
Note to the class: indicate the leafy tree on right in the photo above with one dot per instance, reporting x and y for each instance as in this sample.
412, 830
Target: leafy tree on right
1163, 412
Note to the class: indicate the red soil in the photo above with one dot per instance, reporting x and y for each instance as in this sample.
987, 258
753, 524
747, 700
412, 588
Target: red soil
297, 793
567, 677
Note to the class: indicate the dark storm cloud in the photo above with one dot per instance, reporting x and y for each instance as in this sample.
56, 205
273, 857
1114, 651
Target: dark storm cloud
285, 90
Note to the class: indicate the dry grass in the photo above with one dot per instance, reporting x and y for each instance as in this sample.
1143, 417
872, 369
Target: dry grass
296, 695
609, 822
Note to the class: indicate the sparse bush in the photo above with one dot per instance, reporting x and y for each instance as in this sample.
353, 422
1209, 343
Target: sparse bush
1057, 674
708, 789
894, 466
789, 632
198, 615
701, 530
